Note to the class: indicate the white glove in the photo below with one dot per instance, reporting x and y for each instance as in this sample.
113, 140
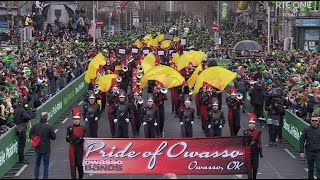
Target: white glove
115, 120
96, 118
86, 119
181, 123
220, 126
144, 123
209, 126
155, 124
127, 120
191, 122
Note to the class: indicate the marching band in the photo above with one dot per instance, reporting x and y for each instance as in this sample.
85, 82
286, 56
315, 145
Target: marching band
125, 102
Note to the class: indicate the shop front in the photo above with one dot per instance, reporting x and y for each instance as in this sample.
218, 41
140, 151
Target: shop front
307, 33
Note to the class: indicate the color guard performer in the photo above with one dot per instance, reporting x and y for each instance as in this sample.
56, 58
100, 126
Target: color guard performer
75, 134
206, 102
253, 146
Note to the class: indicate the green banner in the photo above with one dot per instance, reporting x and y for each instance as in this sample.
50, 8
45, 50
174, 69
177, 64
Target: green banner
56, 107
223, 62
292, 129
224, 11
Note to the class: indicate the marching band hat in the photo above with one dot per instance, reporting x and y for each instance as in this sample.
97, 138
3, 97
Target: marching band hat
91, 94
76, 112
233, 90
252, 118
150, 99
215, 102
122, 93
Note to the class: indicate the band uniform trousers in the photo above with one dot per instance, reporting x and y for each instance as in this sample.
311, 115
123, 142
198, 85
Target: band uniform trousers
162, 117
187, 129
111, 122
133, 125
215, 130
234, 121
92, 129
103, 101
198, 104
137, 122
150, 131
203, 113
122, 129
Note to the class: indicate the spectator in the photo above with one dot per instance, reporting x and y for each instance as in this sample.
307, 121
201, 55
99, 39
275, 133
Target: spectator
310, 146
21, 118
46, 132
257, 94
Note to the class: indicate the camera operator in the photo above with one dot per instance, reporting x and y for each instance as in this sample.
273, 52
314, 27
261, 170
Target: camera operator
21, 118
275, 107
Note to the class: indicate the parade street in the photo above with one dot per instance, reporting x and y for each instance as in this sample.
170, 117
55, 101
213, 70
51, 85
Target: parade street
277, 163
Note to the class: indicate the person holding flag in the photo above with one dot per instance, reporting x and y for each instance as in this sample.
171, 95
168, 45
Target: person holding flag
75, 135
253, 146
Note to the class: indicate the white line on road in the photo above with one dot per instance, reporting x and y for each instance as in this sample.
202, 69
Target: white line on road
64, 120
80, 102
315, 177
56, 130
21, 170
290, 153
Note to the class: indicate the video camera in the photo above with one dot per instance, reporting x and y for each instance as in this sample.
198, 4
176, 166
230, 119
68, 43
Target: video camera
31, 111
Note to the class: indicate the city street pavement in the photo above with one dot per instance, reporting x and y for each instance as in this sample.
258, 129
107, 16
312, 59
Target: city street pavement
276, 164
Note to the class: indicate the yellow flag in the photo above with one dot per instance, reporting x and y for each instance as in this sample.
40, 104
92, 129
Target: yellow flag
138, 43
147, 38
175, 58
176, 39
99, 59
148, 62
165, 44
160, 37
153, 43
192, 80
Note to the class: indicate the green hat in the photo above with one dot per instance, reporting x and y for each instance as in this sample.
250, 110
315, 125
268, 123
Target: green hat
269, 81
300, 82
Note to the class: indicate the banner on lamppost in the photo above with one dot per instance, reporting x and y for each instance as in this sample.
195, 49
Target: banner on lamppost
224, 11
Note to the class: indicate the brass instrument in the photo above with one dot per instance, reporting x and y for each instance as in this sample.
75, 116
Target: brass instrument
140, 68
190, 92
139, 75
131, 58
164, 90
140, 101
239, 96
96, 89
119, 79
125, 68
138, 82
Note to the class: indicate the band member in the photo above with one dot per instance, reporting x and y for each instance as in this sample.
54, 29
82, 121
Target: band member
160, 96
137, 102
75, 134
234, 105
122, 114
206, 101
112, 98
216, 119
150, 117
91, 113
186, 117
253, 147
